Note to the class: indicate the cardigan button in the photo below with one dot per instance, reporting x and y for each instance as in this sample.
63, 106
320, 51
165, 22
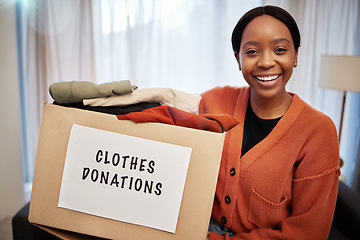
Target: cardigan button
227, 199
232, 171
223, 220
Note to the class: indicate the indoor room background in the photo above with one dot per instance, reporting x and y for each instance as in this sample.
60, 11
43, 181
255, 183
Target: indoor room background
180, 44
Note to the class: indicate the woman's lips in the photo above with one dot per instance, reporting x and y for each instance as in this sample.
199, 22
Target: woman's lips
268, 81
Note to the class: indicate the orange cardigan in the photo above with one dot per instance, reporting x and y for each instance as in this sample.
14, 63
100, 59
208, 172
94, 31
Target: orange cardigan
285, 187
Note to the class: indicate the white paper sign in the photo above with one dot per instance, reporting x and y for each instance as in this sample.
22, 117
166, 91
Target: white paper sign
124, 178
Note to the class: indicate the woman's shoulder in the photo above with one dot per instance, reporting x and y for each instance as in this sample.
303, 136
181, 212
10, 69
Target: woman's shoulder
222, 99
317, 116
313, 118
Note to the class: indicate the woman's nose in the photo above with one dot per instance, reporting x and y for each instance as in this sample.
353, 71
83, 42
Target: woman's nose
266, 61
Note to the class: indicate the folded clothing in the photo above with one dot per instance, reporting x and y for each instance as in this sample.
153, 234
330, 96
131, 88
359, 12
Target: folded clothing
76, 91
115, 110
170, 115
165, 96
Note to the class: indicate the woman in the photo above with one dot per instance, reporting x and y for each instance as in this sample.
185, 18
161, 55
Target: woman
279, 172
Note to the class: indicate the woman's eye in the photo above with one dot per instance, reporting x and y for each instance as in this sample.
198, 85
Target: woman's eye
251, 52
280, 50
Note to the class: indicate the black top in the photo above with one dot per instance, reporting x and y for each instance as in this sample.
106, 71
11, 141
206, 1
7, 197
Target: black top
255, 129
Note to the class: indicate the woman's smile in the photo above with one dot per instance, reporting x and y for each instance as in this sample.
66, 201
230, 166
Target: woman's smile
268, 80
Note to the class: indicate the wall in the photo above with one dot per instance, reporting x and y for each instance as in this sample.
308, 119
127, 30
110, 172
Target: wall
11, 172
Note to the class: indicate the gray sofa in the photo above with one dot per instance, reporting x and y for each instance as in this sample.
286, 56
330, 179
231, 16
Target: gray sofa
346, 222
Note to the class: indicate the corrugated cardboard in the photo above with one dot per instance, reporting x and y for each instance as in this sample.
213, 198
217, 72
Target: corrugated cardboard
199, 188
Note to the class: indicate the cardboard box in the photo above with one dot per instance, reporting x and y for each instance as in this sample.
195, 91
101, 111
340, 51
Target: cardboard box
199, 190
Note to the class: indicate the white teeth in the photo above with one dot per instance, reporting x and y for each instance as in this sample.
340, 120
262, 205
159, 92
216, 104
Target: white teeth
268, 78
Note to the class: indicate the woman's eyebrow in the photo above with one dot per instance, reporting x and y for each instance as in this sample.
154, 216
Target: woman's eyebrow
250, 43
272, 41
280, 40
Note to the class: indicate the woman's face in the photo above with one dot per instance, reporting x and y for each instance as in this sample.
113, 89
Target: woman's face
267, 56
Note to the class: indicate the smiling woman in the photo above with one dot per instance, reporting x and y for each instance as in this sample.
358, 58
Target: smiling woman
276, 183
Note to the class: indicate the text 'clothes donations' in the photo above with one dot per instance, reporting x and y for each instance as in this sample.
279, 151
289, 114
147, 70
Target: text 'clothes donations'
121, 162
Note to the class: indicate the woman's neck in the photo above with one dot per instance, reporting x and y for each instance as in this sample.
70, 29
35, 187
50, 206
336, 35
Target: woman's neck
270, 108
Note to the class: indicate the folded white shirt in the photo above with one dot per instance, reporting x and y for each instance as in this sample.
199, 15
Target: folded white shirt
165, 96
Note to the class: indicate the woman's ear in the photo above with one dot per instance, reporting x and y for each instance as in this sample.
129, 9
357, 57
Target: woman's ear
238, 59
295, 59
